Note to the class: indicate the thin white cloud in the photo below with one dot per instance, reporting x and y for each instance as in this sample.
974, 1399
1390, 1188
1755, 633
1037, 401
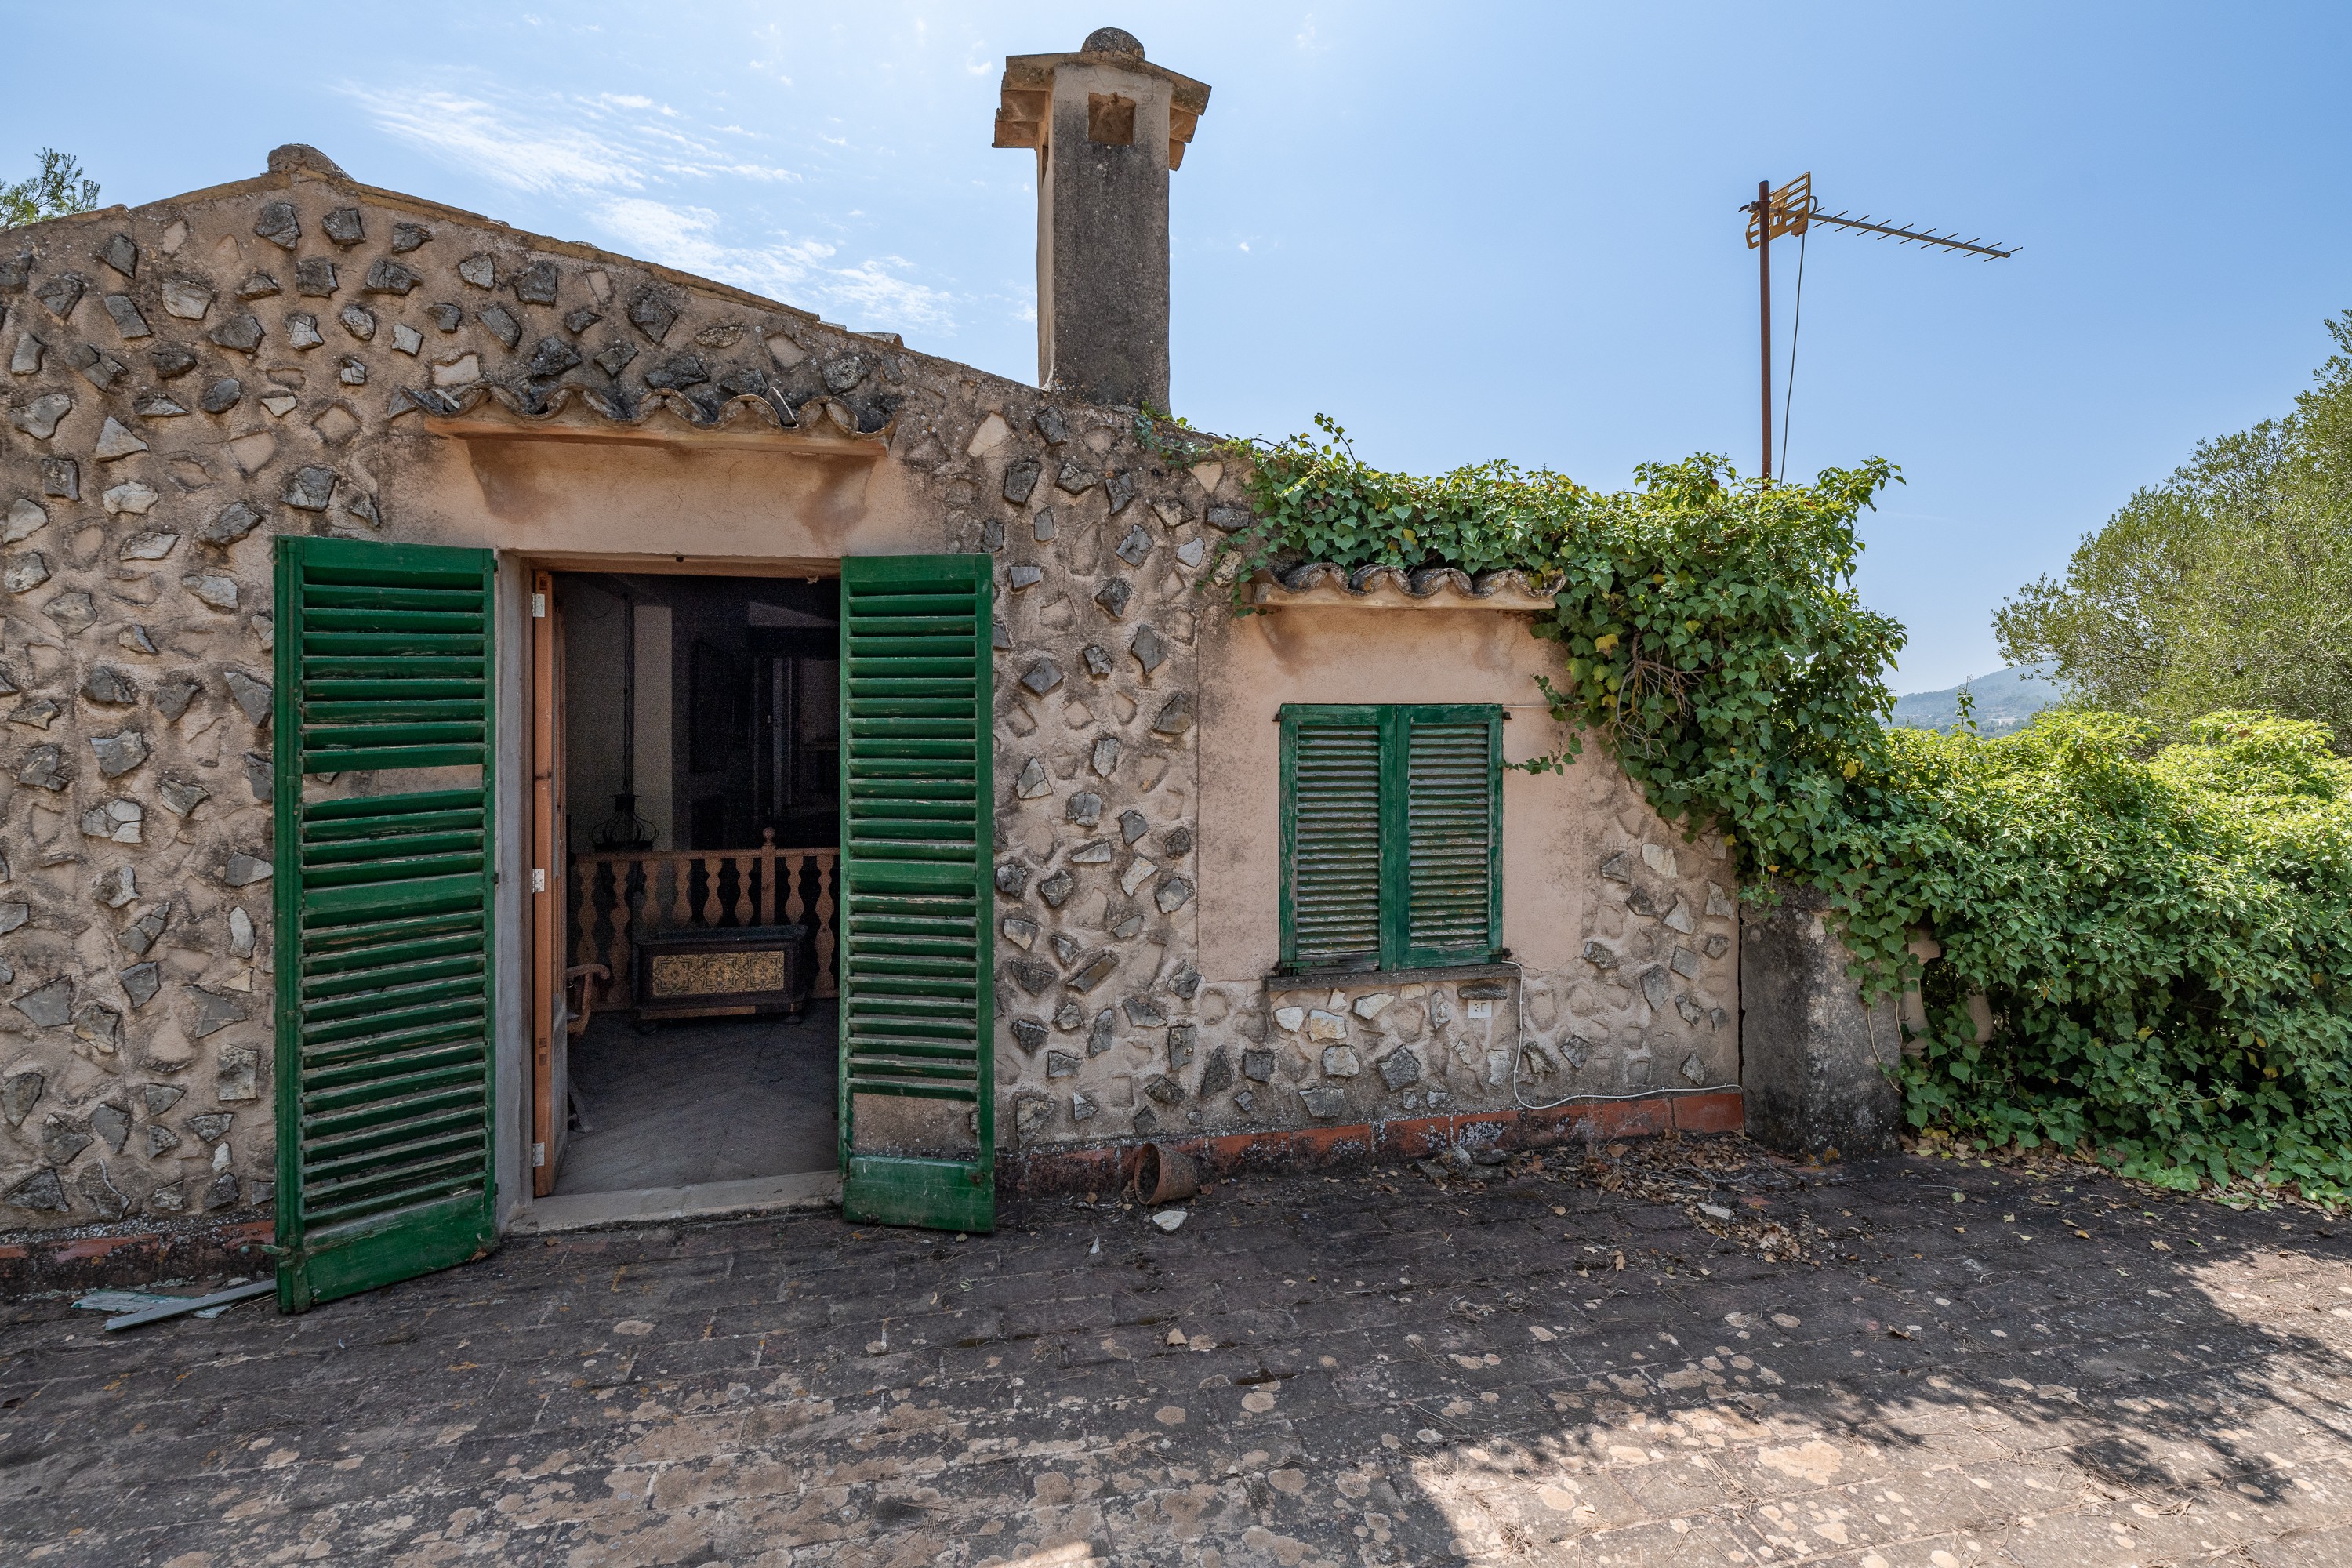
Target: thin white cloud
615, 154
473, 135
803, 271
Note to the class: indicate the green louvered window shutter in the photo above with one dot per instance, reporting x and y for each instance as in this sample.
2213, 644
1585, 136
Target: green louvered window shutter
1451, 905
384, 662
1332, 837
1392, 835
917, 1070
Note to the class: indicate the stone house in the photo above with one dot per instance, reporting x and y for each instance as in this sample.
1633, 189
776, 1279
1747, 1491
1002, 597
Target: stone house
359, 549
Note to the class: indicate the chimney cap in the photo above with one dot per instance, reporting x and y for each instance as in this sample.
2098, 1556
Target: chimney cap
1028, 90
1112, 41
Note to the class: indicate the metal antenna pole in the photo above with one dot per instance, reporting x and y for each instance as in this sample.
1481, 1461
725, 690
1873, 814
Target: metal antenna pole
1764, 298
1791, 209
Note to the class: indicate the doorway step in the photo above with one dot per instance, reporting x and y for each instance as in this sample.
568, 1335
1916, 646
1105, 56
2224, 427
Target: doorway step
707, 1200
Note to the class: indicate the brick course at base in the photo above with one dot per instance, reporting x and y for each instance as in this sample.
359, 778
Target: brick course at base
1105, 1167
194, 1249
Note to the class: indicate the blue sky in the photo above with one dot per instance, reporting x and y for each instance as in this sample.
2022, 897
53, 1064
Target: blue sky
1464, 232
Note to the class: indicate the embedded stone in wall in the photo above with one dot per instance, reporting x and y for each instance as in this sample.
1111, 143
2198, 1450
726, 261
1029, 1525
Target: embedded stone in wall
344, 226
238, 1077
130, 499
1149, 650
140, 982
115, 441
1323, 1102
385, 276
314, 278
61, 293
221, 396
653, 312
41, 1191
121, 254
47, 1007
502, 324
217, 591
1032, 1112
73, 614
19, 1094
39, 417
1094, 973
241, 333
127, 321
309, 488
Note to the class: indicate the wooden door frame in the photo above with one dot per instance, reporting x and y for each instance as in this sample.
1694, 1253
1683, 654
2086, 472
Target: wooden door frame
544, 901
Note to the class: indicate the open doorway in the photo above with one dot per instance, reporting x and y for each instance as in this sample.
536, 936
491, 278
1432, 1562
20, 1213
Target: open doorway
693, 783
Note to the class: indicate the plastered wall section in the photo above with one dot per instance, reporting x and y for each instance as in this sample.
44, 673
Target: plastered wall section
1620, 932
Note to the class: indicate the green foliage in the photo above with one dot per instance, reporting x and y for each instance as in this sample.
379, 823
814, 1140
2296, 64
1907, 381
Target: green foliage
1712, 636
59, 190
2163, 932
2228, 585
2164, 937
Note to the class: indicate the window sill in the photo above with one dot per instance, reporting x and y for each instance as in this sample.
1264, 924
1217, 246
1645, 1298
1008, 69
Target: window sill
1328, 979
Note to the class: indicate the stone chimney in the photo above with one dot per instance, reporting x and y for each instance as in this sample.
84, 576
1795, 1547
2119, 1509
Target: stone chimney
1107, 128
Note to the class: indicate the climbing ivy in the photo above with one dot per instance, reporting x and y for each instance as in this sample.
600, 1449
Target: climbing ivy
2159, 935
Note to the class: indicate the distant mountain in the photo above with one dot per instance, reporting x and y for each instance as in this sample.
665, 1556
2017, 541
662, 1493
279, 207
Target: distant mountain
2007, 701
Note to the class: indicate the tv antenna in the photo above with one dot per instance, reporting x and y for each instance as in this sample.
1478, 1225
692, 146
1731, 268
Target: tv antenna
1791, 209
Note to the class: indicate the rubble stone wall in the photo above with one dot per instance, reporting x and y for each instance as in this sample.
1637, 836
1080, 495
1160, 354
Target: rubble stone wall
300, 354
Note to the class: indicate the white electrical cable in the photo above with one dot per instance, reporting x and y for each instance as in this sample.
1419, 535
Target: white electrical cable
1518, 1058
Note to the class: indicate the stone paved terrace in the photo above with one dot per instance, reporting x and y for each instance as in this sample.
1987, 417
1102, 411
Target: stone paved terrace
1915, 1363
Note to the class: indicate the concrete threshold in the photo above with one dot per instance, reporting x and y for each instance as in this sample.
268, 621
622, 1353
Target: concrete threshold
707, 1200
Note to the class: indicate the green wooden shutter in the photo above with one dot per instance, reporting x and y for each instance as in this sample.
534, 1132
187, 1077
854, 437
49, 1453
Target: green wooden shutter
384, 660
1391, 835
1330, 837
916, 957
1451, 902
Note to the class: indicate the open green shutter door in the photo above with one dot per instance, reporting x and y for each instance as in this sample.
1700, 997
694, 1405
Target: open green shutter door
918, 1070
383, 914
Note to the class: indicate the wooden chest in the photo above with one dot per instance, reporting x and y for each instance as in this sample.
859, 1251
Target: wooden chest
723, 973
